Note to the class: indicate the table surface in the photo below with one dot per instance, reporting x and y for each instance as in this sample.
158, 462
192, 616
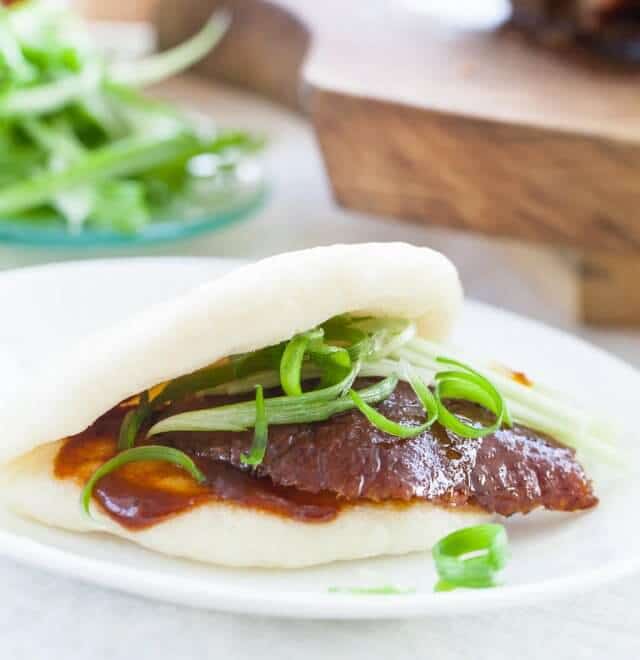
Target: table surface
55, 618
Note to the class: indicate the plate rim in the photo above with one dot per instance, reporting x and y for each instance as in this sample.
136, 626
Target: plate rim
192, 592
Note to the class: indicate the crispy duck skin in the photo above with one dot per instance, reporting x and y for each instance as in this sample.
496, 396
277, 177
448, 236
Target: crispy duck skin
514, 470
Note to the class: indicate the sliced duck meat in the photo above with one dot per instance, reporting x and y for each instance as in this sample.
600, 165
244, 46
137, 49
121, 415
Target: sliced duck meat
513, 470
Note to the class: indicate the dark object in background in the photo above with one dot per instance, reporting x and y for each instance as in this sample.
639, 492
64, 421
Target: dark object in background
608, 27
557, 126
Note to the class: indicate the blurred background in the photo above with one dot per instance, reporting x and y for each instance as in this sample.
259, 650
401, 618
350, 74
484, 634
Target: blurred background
504, 134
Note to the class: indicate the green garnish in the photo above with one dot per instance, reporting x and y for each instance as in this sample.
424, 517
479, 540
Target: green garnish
236, 368
328, 355
333, 361
394, 428
335, 354
465, 383
146, 453
79, 142
291, 362
330, 350
342, 329
132, 422
314, 406
128, 156
471, 557
261, 433
385, 590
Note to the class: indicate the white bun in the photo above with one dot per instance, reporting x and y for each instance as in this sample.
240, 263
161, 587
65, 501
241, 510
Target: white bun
231, 535
251, 307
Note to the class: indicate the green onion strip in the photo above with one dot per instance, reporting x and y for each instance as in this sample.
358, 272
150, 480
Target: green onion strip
384, 590
536, 406
220, 374
291, 362
334, 352
465, 383
314, 406
146, 453
296, 406
198, 381
381, 422
132, 422
359, 344
471, 557
261, 433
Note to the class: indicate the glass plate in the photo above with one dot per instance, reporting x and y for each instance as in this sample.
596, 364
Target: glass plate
216, 203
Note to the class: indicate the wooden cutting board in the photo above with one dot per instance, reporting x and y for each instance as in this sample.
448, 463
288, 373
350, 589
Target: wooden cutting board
436, 112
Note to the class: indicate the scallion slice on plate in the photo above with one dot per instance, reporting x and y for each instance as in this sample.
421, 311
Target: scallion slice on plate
384, 590
471, 557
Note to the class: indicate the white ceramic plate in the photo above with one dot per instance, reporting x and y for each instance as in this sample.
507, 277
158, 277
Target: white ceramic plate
46, 308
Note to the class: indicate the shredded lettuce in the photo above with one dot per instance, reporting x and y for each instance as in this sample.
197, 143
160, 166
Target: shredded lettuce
79, 141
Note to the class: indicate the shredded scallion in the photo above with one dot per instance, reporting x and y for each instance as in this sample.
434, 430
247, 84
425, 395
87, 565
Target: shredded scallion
261, 433
536, 406
146, 453
312, 406
465, 383
330, 358
381, 422
132, 422
291, 362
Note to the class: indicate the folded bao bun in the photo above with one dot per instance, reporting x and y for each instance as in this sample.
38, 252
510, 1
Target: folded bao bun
252, 307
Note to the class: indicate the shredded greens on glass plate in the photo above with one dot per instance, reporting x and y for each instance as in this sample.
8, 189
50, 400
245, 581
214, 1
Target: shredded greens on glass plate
82, 147
315, 373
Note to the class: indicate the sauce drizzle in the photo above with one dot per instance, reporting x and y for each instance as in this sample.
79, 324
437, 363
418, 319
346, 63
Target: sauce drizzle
144, 493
